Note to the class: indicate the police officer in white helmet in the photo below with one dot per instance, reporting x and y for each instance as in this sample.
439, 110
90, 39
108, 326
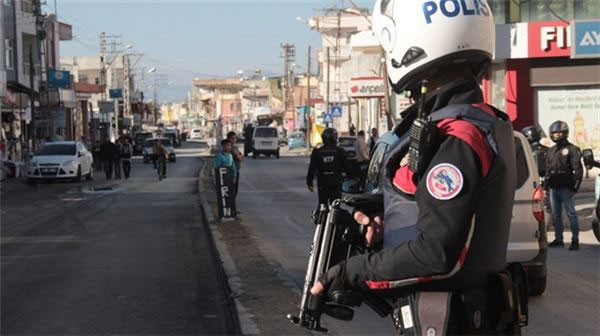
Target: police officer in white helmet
448, 184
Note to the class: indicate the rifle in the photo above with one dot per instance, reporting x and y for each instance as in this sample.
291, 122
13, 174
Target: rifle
337, 237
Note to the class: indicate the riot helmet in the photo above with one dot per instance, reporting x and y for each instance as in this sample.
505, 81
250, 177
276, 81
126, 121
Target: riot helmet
559, 131
533, 134
419, 37
329, 137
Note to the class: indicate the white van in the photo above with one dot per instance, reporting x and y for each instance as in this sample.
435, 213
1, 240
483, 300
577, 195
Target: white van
265, 140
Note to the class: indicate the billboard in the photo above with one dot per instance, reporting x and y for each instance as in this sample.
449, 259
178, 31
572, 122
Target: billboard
366, 87
579, 108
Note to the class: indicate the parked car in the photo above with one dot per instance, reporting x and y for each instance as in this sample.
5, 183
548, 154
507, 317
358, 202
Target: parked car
347, 144
297, 140
147, 154
61, 160
527, 241
140, 138
265, 140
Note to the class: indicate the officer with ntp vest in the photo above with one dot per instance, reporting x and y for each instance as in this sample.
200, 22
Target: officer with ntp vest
329, 163
448, 184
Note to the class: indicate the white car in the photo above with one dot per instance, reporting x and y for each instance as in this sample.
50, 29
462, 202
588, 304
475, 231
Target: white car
195, 134
61, 160
265, 140
527, 243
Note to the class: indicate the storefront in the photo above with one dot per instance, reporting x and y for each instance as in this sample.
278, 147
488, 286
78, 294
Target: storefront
548, 71
368, 95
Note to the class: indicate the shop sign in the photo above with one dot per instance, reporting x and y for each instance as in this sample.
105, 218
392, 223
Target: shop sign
366, 87
59, 79
585, 39
549, 39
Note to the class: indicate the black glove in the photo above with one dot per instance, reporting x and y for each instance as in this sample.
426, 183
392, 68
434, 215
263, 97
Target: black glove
335, 278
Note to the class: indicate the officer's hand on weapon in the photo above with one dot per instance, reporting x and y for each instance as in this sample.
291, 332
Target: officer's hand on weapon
374, 232
336, 276
311, 189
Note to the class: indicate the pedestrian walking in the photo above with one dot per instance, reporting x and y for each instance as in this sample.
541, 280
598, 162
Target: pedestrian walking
373, 139
107, 155
117, 159
329, 163
362, 157
238, 157
96, 156
564, 173
126, 152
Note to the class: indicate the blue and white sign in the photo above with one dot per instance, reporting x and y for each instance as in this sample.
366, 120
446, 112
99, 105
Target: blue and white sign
585, 39
327, 118
115, 93
336, 111
59, 79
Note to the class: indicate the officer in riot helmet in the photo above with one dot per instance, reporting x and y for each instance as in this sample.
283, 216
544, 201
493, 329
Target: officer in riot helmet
563, 178
448, 184
534, 135
329, 163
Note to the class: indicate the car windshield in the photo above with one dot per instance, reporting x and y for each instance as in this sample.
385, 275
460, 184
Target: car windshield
266, 133
296, 136
62, 149
347, 142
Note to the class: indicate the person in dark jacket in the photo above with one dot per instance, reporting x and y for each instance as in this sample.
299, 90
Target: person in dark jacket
125, 153
107, 155
534, 136
117, 158
329, 163
96, 156
447, 219
564, 173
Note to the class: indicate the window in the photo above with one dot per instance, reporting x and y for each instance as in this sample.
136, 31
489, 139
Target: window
8, 54
27, 6
500, 10
554, 10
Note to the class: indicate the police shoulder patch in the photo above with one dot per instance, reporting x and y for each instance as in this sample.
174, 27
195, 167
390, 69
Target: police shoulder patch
444, 181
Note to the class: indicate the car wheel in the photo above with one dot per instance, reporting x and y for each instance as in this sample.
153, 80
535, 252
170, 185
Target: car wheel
537, 285
90, 175
254, 154
277, 155
78, 177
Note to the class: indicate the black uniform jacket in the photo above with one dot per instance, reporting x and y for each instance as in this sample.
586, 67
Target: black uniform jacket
462, 203
328, 163
563, 167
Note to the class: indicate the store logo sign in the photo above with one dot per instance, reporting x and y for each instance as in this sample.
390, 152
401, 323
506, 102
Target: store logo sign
549, 39
366, 87
586, 39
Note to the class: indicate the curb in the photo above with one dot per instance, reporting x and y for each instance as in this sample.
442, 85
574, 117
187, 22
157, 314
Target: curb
241, 317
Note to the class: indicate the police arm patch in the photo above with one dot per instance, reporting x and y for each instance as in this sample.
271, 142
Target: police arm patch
444, 181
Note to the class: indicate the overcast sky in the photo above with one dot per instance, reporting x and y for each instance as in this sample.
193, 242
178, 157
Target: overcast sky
196, 38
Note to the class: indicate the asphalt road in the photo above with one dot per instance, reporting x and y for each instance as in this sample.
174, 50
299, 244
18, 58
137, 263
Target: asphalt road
275, 204
133, 260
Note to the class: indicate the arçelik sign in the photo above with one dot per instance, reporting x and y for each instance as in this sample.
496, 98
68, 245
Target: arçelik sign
366, 87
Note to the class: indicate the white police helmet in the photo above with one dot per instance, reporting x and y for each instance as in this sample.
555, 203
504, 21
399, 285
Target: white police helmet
418, 35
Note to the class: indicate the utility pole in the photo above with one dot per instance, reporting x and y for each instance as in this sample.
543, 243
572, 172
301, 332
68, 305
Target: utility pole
327, 93
307, 122
126, 88
288, 53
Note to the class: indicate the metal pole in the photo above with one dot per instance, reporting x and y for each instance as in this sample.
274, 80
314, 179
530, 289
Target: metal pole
31, 99
307, 124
